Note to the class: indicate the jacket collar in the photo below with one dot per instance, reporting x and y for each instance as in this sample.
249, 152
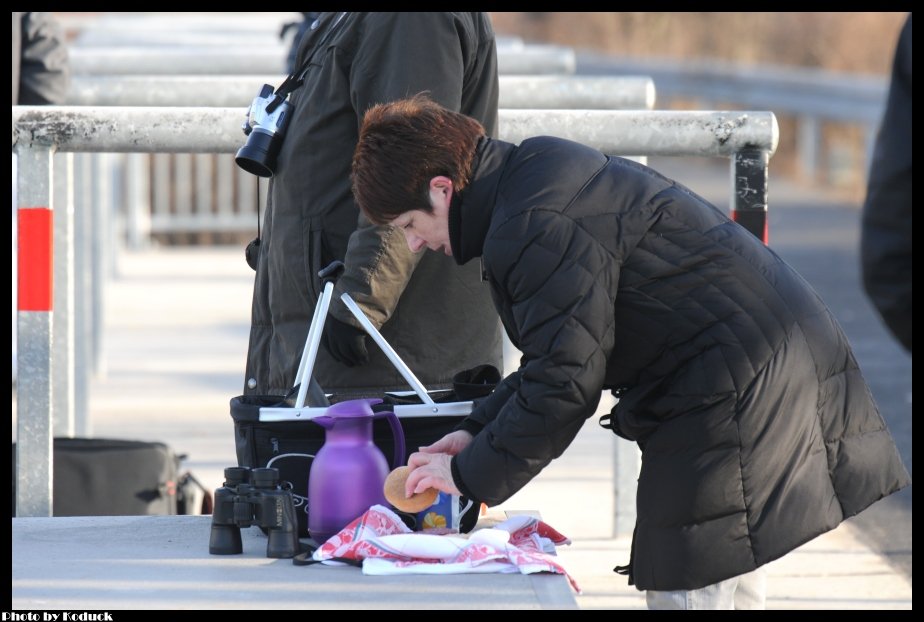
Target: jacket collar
471, 209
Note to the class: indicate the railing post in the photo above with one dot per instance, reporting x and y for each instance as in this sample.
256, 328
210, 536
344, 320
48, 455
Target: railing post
83, 289
808, 141
63, 324
35, 262
182, 185
749, 171
138, 210
99, 255
247, 189
224, 188
160, 185
205, 177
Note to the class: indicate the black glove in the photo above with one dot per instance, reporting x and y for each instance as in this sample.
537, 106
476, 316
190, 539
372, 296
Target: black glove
345, 342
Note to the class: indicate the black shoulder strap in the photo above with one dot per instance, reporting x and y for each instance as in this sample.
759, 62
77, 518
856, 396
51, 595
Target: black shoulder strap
295, 79
305, 559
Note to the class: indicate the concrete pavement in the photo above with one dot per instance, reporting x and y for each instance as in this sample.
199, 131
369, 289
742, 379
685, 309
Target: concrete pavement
177, 329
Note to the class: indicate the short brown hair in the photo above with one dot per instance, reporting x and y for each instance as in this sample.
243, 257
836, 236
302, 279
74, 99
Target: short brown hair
402, 146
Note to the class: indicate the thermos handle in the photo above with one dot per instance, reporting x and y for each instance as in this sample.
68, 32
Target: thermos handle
398, 432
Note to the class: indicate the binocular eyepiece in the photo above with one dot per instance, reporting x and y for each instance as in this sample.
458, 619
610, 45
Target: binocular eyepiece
254, 497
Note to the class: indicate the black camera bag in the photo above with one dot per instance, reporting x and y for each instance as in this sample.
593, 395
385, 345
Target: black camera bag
109, 477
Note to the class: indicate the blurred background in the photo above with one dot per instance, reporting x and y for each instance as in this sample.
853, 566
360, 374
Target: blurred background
695, 57
161, 292
850, 42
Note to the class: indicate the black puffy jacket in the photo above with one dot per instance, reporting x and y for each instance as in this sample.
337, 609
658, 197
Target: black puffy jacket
886, 240
758, 430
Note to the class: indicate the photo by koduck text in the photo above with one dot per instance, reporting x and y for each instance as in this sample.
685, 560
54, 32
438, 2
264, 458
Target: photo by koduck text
57, 616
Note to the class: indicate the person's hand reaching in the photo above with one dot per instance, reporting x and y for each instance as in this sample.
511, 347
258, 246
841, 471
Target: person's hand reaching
430, 471
451, 444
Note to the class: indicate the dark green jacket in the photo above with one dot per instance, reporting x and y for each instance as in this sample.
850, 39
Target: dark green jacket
758, 431
437, 316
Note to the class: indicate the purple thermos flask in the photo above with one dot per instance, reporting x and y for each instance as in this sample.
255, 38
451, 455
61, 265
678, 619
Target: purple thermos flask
348, 473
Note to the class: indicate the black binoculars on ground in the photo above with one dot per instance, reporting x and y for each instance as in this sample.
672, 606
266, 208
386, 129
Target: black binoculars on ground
254, 497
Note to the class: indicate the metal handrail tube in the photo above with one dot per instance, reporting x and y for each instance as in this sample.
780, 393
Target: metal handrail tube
565, 92
217, 130
212, 60
850, 97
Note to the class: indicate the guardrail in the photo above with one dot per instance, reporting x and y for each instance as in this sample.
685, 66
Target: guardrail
207, 193
212, 60
88, 29
144, 129
747, 138
80, 24
515, 91
811, 96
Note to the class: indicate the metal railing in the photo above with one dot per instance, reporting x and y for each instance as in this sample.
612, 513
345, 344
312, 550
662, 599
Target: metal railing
207, 193
216, 60
210, 28
811, 96
515, 91
190, 194
145, 129
748, 139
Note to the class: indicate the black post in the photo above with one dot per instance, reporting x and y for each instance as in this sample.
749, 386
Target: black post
749, 204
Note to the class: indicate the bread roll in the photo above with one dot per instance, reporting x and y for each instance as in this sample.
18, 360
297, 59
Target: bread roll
394, 493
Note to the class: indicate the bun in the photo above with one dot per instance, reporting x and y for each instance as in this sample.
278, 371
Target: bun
394, 493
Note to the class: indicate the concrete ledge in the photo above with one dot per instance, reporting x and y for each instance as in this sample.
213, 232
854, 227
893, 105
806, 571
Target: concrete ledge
162, 562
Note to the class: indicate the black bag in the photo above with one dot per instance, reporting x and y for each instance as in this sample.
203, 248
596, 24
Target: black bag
288, 440
290, 446
107, 477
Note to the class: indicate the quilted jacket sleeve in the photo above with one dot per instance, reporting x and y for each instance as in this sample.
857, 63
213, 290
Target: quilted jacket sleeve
560, 285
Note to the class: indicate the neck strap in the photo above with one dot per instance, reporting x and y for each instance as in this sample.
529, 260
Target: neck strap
295, 79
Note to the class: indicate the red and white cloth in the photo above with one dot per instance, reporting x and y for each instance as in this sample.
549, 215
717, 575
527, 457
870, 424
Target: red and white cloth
386, 545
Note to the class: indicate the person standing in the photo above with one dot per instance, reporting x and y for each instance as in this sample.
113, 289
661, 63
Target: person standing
886, 234
440, 319
40, 67
757, 429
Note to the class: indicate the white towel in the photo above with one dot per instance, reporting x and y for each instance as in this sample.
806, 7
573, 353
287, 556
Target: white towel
386, 545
